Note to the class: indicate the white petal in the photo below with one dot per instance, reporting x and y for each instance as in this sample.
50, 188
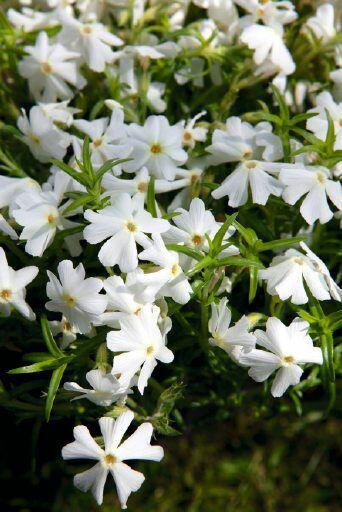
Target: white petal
94, 479
138, 446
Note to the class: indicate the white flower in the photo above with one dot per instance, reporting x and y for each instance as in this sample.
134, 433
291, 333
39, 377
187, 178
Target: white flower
233, 340
91, 40
44, 139
254, 174
267, 43
169, 279
13, 287
157, 146
41, 216
111, 458
242, 141
59, 112
107, 139
287, 349
322, 24
192, 133
315, 183
142, 345
49, 69
319, 123
75, 296
273, 14
334, 290
287, 274
124, 297
107, 389
137, 187
194, 226
68, 331
125, 223
10, 188
28, 19
154, 95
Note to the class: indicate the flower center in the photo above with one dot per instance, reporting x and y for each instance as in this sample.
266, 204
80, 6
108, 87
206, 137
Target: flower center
197, 239
321, 177
97, 143
187, 137
69, 300
248, 153
251, 165
51, 218
156, 148
46, 67
142, 186
66, 326
34, 138
5, 294
110, 459
86, 30
131, 227
298, 260
289, 359
175, 269
193, 179
149, 350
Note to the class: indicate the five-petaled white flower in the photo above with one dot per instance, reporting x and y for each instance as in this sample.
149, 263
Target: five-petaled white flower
91, 40
13, 287
287, 349
288, 273
168, 280
75, 296
234, 340
107, 389
125, 223
319, 124
111, 458
316, 183
157, 146
141, 343
49, 69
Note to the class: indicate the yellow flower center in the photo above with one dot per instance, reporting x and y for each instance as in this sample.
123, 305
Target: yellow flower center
51, 218
69, 300
155, 149
34, 138
131, 226
149, 350
87, 30
110, 459
298, 260
289, 359
142, 186
321, 177
251, 165
46, 67
197, 239
97, 143
175, 269
187, 137
5, 294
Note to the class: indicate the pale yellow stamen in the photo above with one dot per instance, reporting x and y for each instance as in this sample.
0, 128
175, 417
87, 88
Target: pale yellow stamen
131, 227
155, 149
289, 359
69, 300
5, 294
46, 67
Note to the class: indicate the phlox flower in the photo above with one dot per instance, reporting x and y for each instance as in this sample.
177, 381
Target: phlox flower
268, 44
125, 223
13, 287
253, 174
11, 187
49, 69
168, 280
107, 139
157, 146
44, 139
323, 23
68, 331
76, 296
287, 274
192, 133
59, 112
286, 349
106, 388
316, 184
319, 123
141, 345
112, 458
242, 141
7, 229
91, 40
272, 14
234, 340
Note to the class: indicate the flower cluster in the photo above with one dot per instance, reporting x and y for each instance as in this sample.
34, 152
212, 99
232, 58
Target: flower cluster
143, 211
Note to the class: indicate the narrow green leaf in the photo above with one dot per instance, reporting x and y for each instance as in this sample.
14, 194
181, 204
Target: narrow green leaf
49, 339
238, 262
247, 233
275, 244
78, 176
108, 165
218, 238
53, 388
86, 158
185, 250
42, 366
151, 199
76, 203
283, 108
253, 283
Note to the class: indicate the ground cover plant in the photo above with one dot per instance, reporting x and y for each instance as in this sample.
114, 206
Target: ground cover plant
170, 252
